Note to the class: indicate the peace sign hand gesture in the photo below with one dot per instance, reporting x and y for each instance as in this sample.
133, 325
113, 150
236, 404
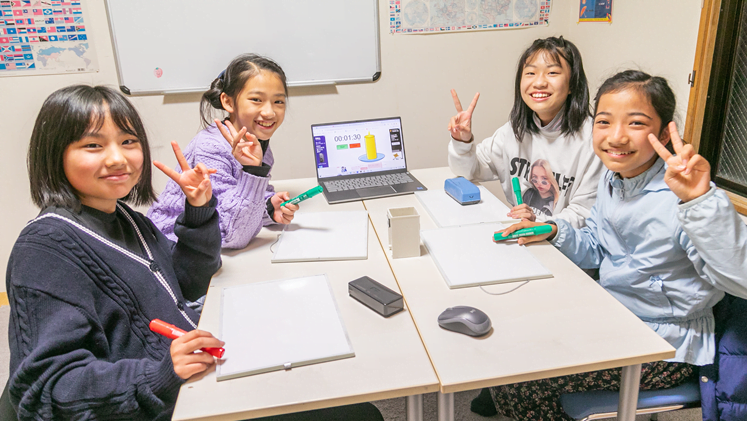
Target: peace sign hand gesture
195, 182
688, 174
460, 126
246, 148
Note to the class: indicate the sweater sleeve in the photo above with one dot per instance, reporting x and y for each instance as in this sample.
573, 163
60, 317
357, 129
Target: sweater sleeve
241, 196
269, 192
196, 254
61, 365
241, 203
715, 239
582, 245
481, 162
167, 208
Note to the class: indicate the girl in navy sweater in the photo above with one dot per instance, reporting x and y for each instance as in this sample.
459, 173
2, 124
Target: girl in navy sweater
87, 275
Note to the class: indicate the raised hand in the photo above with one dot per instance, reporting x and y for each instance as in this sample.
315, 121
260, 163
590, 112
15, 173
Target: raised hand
246, 148
528, 224
195, 182
460, 126
688, 174
284, 214
186, 361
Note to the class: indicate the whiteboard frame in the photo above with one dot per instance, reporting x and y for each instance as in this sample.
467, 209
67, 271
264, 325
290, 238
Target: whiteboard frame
348, 228
123, 87
447, 212
245, 368
469, 258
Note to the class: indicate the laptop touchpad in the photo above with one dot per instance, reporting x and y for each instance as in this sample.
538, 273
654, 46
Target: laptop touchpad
375, 191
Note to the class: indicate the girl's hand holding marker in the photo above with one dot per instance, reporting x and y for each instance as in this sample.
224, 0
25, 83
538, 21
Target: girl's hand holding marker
521, 210
303, 196
544, 231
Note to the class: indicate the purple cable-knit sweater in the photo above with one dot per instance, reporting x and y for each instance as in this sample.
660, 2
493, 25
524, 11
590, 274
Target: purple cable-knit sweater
242, 197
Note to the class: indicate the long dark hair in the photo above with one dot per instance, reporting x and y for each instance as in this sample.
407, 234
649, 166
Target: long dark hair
65, 117
232, 80
576, 105
655, 88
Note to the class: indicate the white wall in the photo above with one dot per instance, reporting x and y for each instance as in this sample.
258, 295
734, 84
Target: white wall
657, 37
417, 72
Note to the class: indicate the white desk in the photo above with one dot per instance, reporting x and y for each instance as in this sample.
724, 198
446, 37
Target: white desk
550, 327
390, 360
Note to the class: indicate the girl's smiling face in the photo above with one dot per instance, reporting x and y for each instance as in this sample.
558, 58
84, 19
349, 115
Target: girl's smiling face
540, 181
545, 85
260, 106
622, 124
104, 165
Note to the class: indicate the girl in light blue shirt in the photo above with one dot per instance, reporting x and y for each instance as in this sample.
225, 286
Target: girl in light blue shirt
667, 243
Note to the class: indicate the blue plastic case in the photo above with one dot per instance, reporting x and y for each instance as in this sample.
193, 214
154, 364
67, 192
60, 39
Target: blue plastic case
462, 190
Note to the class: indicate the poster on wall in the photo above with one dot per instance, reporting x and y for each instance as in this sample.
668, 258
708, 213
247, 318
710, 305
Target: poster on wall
595, 11
44, 37
429, 16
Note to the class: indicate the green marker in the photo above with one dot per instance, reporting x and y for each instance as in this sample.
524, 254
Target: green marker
517, 190
303, 196
524, 232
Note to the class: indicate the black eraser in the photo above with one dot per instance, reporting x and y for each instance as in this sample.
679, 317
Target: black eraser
376, 296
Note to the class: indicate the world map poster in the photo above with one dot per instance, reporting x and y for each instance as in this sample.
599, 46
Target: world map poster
44, 37
428, 16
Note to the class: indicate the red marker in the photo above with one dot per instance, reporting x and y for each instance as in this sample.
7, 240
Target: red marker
173, 332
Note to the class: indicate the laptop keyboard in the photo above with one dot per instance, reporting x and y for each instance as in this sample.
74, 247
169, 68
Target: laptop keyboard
363, 182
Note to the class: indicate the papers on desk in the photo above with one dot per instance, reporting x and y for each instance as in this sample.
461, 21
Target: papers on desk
324, 236
467, 256
446, 212
278, 325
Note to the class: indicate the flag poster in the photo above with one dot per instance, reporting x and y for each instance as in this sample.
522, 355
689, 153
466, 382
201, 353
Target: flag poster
595, 11
44, 37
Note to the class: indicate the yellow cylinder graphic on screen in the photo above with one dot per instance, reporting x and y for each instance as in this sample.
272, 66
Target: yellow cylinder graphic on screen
370, 146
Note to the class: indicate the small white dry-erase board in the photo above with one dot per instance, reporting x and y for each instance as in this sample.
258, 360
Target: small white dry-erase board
447, 212
467, 256
341, 235
278, 325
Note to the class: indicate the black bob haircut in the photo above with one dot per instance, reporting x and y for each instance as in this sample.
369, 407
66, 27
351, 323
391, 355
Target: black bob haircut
654, 88
232, 80
576, 105
65, 117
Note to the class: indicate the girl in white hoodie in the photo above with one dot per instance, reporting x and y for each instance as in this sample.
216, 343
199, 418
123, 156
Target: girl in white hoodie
550, 120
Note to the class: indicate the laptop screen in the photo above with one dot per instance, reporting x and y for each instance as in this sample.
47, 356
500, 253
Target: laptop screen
358, 147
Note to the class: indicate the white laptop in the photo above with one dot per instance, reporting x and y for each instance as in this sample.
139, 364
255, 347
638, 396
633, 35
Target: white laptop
364, 159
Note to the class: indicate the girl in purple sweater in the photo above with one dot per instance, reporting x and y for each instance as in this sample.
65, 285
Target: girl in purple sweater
253, 91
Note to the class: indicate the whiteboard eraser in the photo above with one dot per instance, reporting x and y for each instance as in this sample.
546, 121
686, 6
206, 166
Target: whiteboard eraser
462, 190
375, 296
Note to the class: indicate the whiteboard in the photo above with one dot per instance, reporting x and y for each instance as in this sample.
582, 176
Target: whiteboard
279, 325
446, 212
172, 46
467, 256
341, 235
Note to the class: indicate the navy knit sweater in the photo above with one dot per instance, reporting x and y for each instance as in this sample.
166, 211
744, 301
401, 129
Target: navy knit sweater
80, 307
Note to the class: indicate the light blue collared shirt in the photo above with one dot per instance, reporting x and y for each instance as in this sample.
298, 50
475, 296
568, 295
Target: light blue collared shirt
668, 263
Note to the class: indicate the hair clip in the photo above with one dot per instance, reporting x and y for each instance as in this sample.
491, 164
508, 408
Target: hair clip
222, 73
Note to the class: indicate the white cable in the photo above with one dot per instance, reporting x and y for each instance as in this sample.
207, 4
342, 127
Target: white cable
502, 293
278, 239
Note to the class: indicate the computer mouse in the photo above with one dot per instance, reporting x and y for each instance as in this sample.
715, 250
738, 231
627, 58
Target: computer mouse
464, 319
